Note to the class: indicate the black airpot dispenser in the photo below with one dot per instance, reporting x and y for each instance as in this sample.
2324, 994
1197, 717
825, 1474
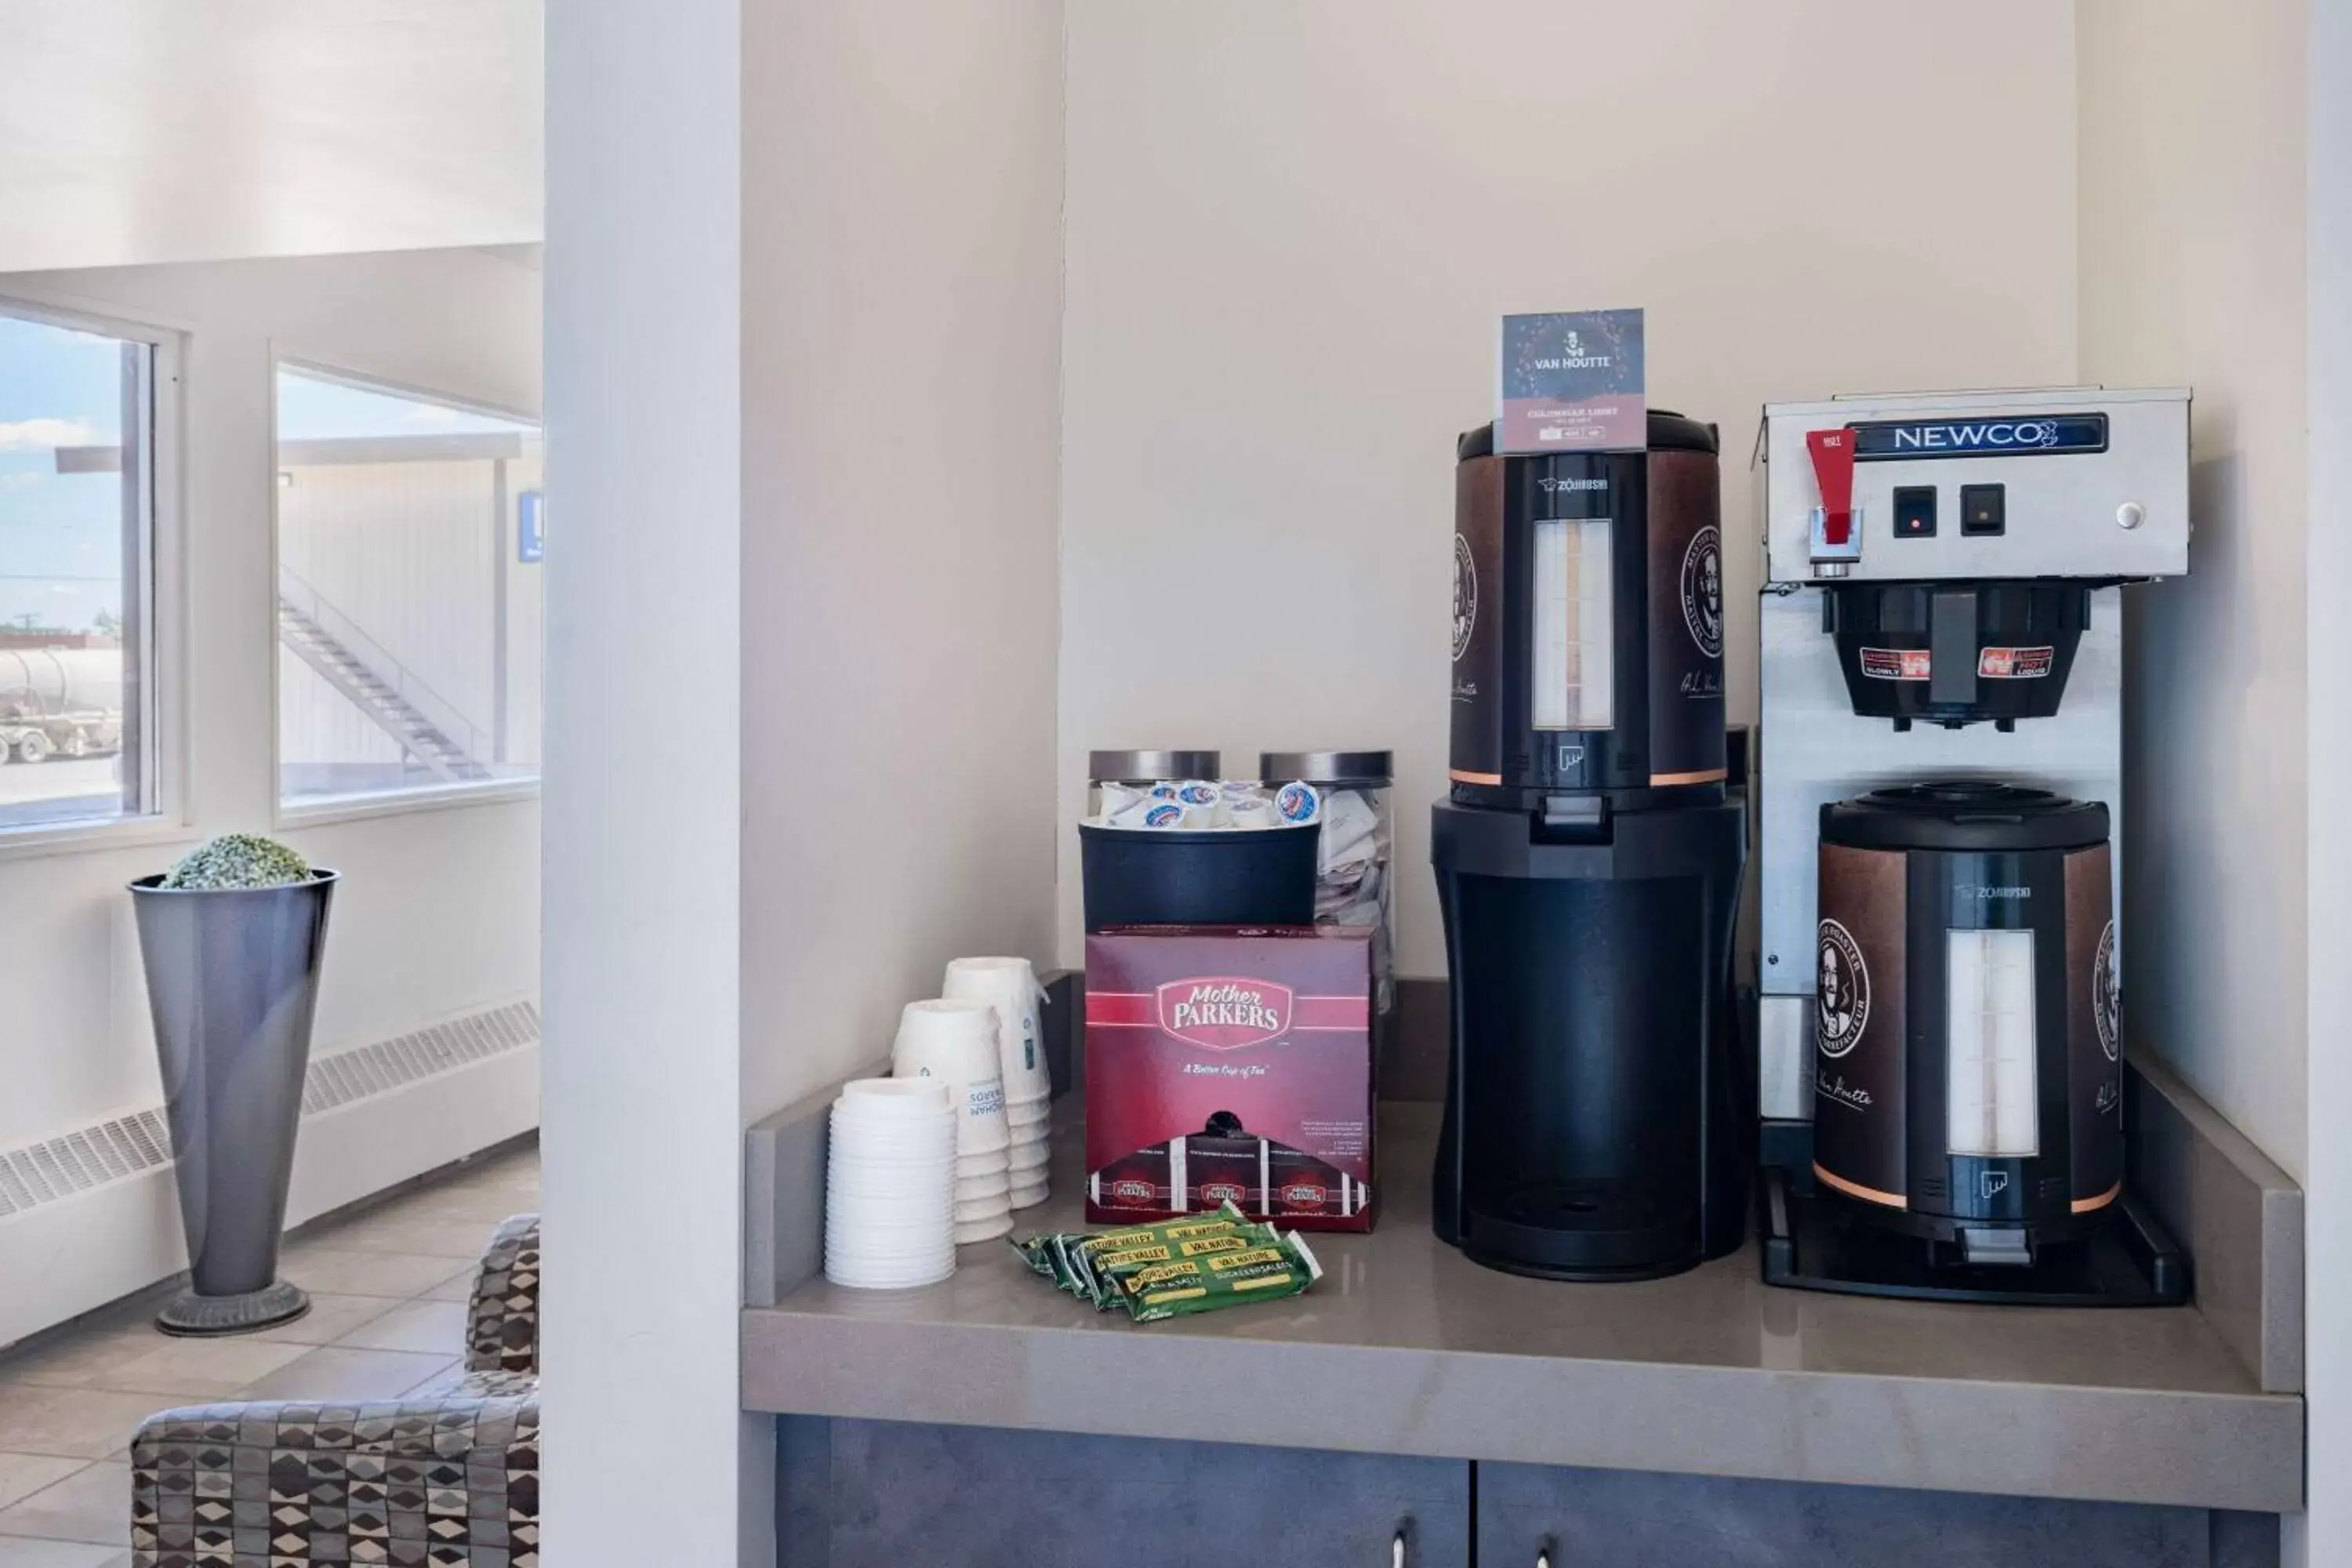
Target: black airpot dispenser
1589, 862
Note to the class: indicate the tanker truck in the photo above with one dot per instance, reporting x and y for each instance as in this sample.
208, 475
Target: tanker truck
59, 702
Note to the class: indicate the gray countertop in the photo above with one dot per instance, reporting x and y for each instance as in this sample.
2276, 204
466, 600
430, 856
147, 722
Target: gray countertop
1406, 1347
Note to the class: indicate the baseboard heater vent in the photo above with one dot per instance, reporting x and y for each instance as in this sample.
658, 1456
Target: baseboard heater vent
123, 1146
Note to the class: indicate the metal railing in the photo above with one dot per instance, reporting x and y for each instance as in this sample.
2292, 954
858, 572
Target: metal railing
438, 710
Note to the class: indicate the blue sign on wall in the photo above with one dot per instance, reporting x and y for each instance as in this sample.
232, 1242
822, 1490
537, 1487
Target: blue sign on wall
531, 540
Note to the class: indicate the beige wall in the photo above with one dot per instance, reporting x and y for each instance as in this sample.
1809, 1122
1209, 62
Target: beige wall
2192, 188
901, 303
1291, 229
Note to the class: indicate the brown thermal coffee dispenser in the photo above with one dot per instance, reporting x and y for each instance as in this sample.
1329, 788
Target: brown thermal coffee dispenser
1970, 1054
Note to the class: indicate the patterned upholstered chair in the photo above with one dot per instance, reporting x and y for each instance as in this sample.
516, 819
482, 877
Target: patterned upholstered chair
444, 1478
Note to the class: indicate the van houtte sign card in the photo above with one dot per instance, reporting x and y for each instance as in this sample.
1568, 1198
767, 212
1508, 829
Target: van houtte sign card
1572, 381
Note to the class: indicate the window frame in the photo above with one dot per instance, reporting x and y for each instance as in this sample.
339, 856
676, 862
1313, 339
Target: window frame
167, 811
287, 816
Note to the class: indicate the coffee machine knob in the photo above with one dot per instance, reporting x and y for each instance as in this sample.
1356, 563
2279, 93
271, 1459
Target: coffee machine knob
2131, 514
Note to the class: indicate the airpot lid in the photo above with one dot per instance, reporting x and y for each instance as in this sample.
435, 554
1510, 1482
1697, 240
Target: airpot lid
1964, 815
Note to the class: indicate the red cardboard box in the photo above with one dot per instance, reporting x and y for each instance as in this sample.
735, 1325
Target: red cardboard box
1230, 1062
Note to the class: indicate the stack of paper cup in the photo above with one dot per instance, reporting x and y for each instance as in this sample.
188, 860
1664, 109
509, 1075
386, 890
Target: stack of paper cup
890, 1178
1009, 985
1026, 1159
956, 1042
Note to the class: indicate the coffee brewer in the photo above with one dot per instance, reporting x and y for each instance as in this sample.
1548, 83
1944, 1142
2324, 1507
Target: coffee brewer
1940, 765
1589, 864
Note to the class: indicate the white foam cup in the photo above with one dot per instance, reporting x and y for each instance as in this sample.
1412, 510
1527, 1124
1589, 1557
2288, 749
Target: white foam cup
958, 1042
1009, 985
982, 1209
893, 1097
967, 1188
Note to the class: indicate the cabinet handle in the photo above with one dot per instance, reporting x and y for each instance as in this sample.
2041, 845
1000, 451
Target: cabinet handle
1543, 1557
1396, 1549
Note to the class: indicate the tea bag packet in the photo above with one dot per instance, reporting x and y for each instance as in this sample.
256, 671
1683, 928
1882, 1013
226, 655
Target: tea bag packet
1350, 832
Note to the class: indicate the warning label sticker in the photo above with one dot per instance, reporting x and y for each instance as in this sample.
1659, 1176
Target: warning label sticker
1895, 663
2016, 663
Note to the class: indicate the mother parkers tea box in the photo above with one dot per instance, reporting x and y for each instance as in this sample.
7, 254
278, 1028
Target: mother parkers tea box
1230, 1063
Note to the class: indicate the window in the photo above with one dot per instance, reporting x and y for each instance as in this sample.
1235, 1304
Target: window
77, 583
408, 593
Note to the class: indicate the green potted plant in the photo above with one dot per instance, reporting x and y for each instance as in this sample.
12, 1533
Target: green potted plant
231, 939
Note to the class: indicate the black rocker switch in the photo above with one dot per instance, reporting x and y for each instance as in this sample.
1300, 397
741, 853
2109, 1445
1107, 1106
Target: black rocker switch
1984, 510
1915, 512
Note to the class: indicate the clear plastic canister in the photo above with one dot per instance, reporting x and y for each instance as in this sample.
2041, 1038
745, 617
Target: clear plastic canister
1141, 770
1355, 881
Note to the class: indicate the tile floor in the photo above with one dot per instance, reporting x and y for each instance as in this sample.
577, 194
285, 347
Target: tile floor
388, 1289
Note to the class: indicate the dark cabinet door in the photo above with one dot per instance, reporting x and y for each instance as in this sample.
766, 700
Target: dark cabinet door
1626, 1518
866, 1494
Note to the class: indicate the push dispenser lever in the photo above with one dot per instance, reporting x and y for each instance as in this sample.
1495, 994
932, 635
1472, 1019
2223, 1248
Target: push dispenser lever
1575, 816
1835, 525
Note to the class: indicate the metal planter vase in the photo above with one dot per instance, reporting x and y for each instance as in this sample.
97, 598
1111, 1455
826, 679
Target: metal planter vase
232, 982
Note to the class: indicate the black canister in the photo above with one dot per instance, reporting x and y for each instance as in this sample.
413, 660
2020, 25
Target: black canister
1141, 876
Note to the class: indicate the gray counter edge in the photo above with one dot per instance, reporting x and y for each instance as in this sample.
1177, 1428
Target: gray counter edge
1936, 1434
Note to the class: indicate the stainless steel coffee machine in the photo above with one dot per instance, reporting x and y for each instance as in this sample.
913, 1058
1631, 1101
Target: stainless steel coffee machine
1941, 812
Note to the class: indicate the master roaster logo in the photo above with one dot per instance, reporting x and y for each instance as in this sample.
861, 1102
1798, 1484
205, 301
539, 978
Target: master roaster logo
2106, 996
1225, 1013
1465, 596
1703, 590
1842, 1002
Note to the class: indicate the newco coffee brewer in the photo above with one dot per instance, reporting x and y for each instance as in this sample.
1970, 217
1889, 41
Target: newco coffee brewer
1941, 1073
1589, 863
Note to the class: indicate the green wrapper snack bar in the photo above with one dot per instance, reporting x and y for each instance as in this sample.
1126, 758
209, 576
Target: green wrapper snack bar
1064, 1258
1181, 1288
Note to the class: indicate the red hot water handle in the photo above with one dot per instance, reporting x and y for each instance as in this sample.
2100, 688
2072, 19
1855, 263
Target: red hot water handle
1833, 453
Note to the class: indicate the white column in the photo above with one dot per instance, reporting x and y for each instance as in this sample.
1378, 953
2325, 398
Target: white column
2326, 1532
642, 1100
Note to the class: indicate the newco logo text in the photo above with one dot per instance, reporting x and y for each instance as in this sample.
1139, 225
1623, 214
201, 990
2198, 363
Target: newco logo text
2001, 433
1551, 485
1973, 890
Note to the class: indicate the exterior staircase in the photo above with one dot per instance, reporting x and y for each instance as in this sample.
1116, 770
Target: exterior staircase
392, 709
